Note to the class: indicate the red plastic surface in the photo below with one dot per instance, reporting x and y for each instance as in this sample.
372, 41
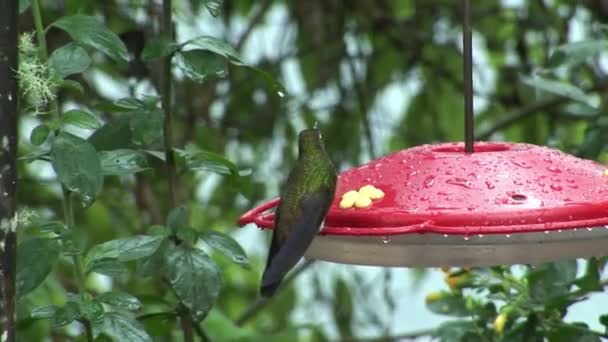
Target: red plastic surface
502, 188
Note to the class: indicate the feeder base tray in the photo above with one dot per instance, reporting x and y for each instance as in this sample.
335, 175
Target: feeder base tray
438, 250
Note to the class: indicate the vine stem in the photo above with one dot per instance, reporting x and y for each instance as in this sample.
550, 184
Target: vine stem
68, 209
166, 99
166, 90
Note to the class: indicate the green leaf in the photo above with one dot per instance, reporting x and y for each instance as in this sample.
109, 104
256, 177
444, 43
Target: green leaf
124, 249
222, 328
214, 7
77, 166
207, 161
217, 46
590, 281
178, 217
89, 31
109, 267
72, 85
120, 300
604, 320
221, 48
226, 245
199, 65
272, 83
43, 312
152, 264
39, 134
557, 88
549, 280
81, 119
343, 308
572, 333
35, 260
187, 234
456, 331
578, 52
120, 327
146, 127
158, 48
123, 162
69, 59
73, 242
66, 314
90, 308
196, 279
113, 135
24, 5
448, 304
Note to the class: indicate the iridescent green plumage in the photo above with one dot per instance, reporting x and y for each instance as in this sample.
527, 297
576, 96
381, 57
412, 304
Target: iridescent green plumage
305, 200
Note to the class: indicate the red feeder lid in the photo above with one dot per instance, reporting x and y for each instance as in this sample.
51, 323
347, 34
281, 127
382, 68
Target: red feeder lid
501, 188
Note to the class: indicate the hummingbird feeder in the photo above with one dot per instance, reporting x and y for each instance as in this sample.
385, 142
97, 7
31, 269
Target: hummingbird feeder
463, 204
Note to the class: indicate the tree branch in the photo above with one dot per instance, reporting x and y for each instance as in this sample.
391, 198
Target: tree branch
8, 169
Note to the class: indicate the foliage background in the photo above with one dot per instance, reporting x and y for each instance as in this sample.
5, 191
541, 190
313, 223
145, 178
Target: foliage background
377, 76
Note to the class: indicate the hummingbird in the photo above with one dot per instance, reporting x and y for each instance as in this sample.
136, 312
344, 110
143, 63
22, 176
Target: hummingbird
305, 200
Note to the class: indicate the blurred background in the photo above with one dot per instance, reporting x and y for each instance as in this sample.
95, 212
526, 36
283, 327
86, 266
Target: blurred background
377, 76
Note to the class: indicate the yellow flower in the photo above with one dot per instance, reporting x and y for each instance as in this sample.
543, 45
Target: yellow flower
433, 297
459, 280
499, 323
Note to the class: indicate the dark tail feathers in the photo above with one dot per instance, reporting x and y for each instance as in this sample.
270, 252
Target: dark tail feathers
268, 290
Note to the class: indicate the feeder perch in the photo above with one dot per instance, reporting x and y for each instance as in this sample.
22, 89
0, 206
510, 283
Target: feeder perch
506, 203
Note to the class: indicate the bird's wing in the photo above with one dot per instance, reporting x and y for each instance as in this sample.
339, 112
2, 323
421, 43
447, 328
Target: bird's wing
287, 249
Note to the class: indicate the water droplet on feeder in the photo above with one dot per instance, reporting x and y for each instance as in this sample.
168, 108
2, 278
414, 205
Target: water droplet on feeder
446, 235
546, 232
521, 164
556, 187
459, 182
480, 235
466, 238
589, 229
429, 181
385, 239
554, 169
508, 236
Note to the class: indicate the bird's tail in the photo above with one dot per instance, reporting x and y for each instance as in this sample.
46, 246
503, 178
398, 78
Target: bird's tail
268, 290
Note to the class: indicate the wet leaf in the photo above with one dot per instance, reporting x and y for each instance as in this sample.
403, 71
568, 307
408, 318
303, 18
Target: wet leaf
69, 59
226, 245
87, 30
77, 166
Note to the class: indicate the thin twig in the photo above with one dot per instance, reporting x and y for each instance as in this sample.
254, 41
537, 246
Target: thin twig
517, 115
261, 302
259, 14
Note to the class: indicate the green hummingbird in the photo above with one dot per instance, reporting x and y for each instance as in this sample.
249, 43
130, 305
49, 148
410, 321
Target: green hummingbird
305, 200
